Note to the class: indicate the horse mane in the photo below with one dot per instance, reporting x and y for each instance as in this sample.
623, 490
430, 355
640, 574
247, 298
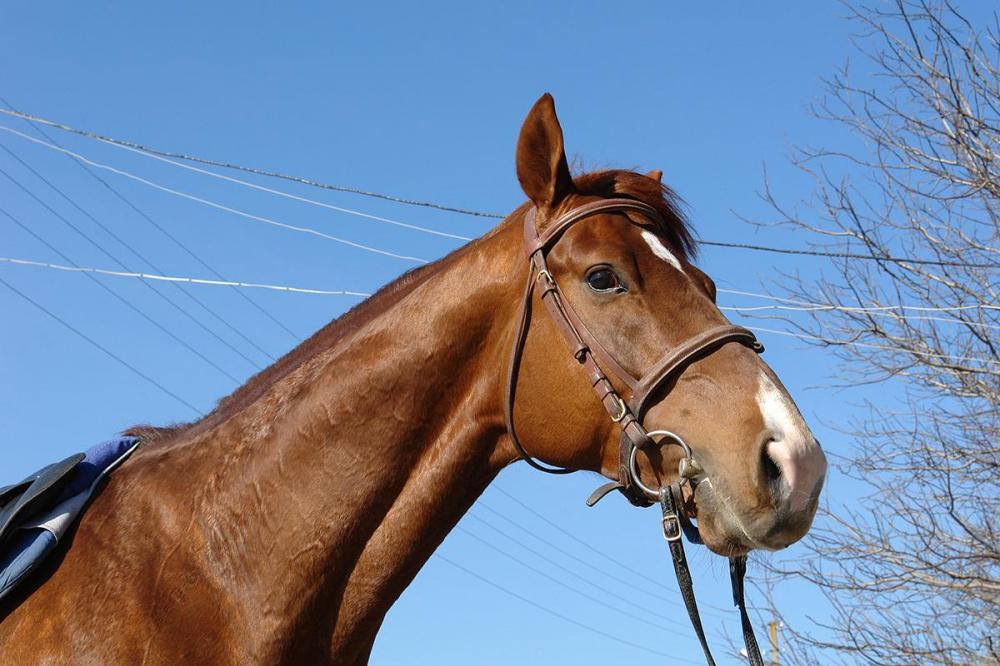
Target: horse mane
607, 183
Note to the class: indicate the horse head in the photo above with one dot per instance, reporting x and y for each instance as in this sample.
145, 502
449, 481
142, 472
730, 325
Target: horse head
623, 279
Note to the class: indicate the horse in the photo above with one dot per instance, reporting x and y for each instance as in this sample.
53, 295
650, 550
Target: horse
282, 526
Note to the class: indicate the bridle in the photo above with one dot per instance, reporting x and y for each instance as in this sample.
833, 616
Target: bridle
589, 352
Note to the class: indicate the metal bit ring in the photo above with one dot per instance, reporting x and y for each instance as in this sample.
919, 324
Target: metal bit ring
667, 437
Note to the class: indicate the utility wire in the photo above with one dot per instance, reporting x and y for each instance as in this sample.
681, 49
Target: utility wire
899, 350
807, 306
176, 241
144, 259
861, 308
586, 595
748, 311
644, 576
641, 575
844, 255
295, 197
209, 202
187, 280
556, 526
104, 349
556, 563
237, 167
567, 553
306, 181
121, 197
119, 297
546, 609
343, 292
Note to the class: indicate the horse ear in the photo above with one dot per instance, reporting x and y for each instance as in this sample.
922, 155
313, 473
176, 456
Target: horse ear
656, 175
541, 159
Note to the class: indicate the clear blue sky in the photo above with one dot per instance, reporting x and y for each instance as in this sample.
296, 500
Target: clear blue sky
422, 100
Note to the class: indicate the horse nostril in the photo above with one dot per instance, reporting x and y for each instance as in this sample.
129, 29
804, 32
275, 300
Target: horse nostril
772, 472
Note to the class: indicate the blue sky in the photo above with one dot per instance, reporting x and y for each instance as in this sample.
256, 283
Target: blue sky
423, 101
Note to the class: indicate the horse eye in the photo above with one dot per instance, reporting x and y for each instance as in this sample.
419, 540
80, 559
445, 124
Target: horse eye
604, 279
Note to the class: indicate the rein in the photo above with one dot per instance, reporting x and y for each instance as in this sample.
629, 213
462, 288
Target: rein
589, 352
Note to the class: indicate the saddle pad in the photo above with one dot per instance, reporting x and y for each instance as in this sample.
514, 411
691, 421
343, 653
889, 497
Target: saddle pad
36, 512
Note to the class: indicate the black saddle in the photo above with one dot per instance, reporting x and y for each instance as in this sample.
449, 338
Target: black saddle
38, 511
36, 492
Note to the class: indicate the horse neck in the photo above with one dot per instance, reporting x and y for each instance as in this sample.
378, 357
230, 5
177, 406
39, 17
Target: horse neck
332, 488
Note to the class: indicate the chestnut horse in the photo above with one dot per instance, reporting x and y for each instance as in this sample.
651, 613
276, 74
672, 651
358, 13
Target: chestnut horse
281, 527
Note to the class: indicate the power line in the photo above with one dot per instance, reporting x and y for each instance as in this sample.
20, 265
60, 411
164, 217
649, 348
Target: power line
101, 347
861, 308
563, 551
559, 615
806, 305
209, 202
899, 350
565, 532
644, 577
128, 202
889, 311
295, 197
144, 259
306, 181
176, 241
586, 595
341, 292
553, 562
170, 278
245, 169
843, 255
749, 312
120, 298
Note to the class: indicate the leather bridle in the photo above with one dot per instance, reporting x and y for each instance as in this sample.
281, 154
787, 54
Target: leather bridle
628, 415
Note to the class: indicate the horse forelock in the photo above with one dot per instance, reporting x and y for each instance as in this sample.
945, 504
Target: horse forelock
629, 184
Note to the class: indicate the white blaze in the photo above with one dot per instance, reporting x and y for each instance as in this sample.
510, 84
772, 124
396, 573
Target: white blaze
659, 250
792, 448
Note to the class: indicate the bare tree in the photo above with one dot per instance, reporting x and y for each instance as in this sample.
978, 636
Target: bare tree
912, 570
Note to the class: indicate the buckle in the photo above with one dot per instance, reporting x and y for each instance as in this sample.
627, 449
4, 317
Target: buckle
623, 410
671, 527
551, 281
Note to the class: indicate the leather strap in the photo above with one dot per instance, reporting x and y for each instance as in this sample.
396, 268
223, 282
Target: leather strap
672, 533
555, 230
737, 570
512, 369
700, 345
673, 525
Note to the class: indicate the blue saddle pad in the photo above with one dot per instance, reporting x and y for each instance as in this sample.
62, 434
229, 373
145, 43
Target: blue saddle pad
36, 512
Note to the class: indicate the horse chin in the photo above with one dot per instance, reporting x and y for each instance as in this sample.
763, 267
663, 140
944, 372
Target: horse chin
715, 525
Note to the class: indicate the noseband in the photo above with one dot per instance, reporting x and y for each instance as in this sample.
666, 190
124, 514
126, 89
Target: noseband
628, 415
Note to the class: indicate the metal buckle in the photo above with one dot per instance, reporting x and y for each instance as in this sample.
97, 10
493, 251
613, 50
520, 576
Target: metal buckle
548, 278
673, 532
623, 410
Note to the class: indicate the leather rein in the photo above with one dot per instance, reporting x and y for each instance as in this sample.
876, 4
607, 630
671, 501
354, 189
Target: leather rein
586, 349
